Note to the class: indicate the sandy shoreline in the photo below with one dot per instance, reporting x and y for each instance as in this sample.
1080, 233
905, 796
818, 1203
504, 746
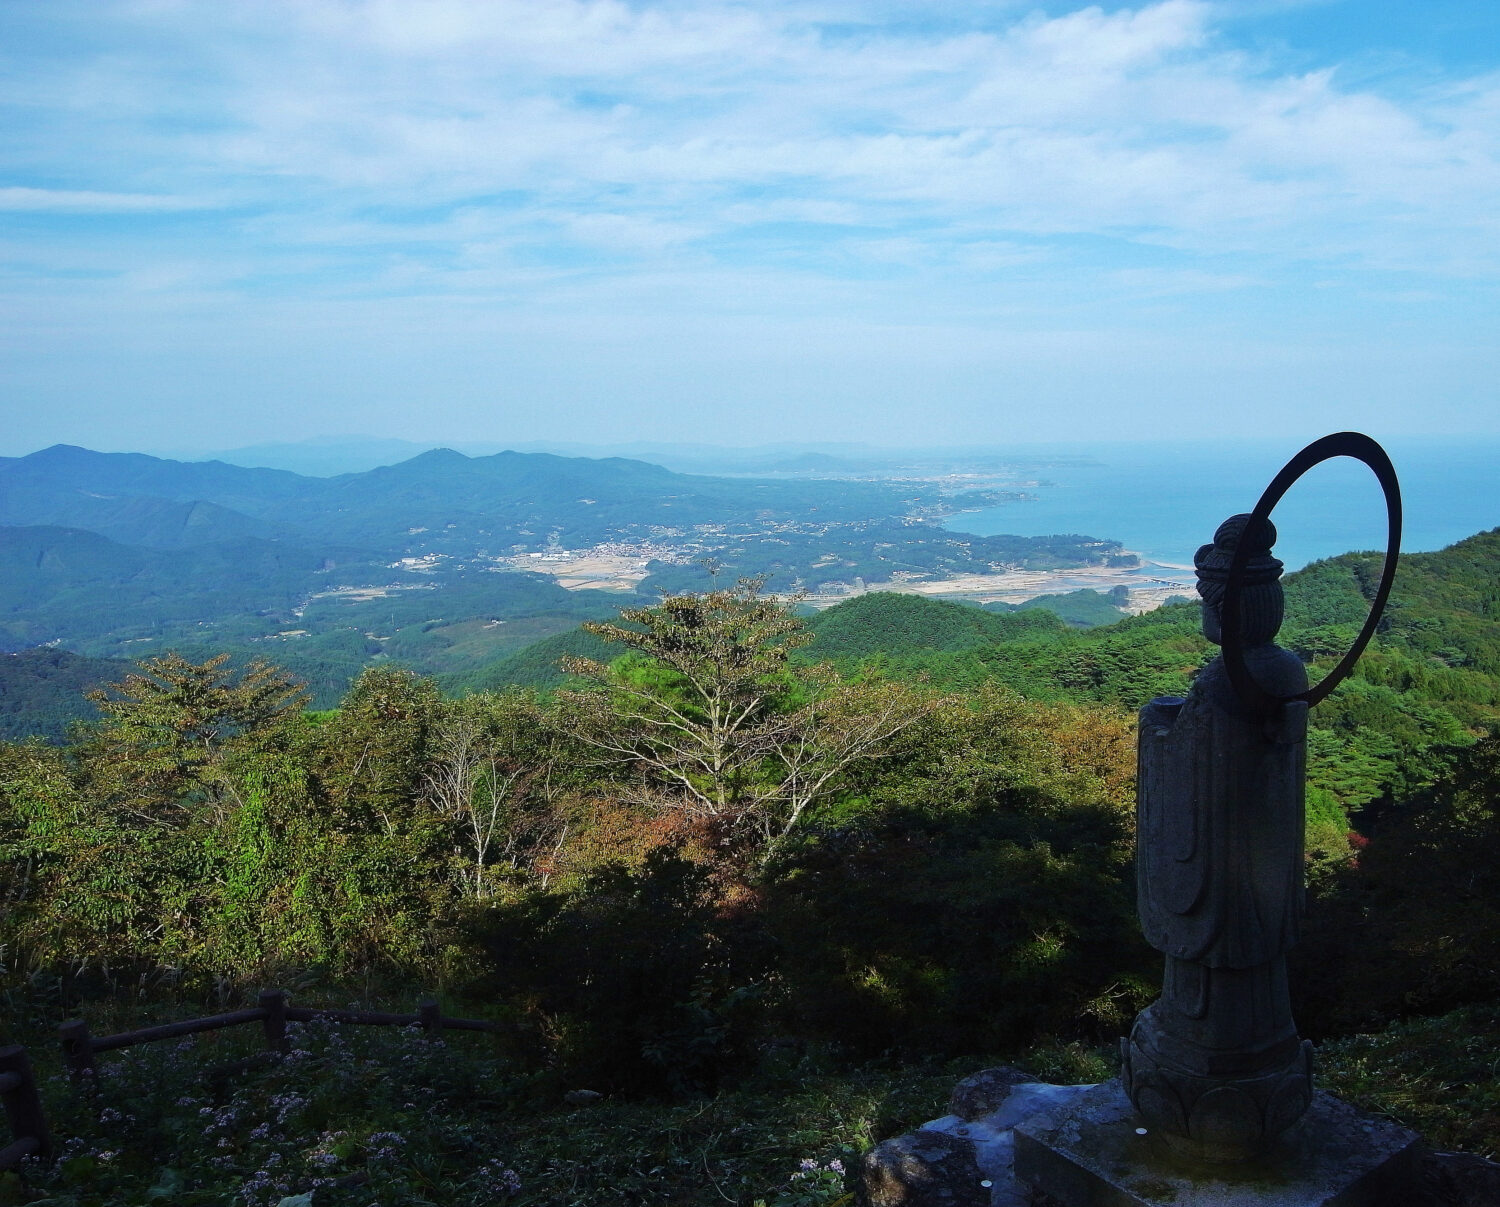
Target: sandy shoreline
1150, 585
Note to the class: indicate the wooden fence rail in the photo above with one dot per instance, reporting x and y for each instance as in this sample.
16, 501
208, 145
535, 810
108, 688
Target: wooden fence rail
23, 1109
272, 1012
23, 1105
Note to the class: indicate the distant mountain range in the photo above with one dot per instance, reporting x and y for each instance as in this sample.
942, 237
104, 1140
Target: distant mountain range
430, 561
461, 501
327, 456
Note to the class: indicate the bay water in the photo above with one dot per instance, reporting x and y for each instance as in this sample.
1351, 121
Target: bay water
1163, 500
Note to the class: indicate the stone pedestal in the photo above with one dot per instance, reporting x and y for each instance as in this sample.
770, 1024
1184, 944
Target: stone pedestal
1096, 1152
963, 1159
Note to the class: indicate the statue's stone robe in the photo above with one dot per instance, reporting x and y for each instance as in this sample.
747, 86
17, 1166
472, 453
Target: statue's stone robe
1216, 1062
1220, 820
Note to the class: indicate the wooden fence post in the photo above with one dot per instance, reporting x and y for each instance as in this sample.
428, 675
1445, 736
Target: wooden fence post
23, 1105
78, 1049
273, 1002
428, 1014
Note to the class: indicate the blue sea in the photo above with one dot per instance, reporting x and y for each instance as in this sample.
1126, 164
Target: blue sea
1164, 500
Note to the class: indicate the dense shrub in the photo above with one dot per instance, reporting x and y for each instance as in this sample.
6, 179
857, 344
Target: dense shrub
1413, 926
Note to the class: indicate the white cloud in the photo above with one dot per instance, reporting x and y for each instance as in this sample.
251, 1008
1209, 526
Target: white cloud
1065, 180
82, 201
1140, 119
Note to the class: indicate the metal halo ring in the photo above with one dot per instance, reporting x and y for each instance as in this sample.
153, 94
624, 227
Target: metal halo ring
1339, 444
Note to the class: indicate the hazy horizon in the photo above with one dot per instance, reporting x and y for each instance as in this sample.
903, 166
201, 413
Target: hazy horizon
364, 451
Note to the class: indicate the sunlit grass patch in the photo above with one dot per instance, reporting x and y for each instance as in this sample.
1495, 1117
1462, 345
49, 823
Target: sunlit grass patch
1439, 1076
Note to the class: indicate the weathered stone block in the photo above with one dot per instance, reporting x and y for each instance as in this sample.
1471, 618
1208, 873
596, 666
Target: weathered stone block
1095, 1153
893, 1173
984, 1092
1459, 1180
922, 1169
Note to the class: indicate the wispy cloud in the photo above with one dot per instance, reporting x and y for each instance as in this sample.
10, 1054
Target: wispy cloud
921, 161
1144, 122
80, 201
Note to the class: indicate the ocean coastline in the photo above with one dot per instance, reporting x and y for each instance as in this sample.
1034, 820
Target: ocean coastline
1165, 500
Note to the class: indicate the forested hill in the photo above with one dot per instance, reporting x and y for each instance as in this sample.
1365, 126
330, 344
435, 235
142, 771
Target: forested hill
442, 563
866, 627
42, 691
883, 624
1428, 683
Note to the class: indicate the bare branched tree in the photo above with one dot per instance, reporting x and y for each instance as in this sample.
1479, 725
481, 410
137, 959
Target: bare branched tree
488, 759
840, 724
706, 709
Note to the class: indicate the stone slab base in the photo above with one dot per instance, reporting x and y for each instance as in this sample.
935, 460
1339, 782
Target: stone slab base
1094, 1152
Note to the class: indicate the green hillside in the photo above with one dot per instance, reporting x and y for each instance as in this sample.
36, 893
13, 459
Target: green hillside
96, 596
883, 623
1427, 685
535, 666
876, 625
1083, 609
42, 691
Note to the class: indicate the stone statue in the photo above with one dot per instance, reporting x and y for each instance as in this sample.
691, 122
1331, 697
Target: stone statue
1215, 1065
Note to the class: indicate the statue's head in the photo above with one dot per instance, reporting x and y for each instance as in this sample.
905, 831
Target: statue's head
1261, 602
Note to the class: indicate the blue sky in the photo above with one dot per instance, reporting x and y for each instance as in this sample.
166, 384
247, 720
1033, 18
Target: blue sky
897, 223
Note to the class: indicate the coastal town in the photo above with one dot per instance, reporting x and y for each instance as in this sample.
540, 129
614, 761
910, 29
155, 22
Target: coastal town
622, 566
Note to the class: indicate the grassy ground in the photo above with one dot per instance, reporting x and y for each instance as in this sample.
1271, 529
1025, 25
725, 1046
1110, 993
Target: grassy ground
1439, 1076
393, 1117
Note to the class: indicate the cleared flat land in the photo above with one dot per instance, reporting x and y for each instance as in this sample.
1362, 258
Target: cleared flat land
594, 571
1150, 586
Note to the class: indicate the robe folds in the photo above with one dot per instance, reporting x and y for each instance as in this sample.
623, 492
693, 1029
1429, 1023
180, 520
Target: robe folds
1220, 818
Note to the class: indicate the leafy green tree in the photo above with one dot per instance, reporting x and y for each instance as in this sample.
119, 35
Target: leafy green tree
126, 839
1412, 926
64, 865
207, 823
372, 752
700, 706
171, 733
705, 718
974, 888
